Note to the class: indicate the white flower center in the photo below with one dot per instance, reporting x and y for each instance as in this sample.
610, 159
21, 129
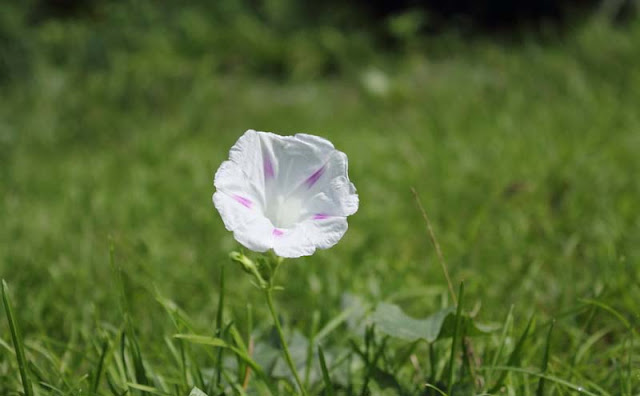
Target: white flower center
283, 211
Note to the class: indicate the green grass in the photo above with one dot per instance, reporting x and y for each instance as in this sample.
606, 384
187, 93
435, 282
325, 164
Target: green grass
524, 156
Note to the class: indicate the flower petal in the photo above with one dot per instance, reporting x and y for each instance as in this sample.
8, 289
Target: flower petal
256, 235
231, 179
335, 195
252, 165
249, 226
298, 160
234, 214
309, 235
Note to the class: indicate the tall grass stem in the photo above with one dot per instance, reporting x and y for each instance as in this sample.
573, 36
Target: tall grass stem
436, 245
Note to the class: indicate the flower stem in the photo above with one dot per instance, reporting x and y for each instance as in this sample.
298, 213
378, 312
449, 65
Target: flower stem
285, 348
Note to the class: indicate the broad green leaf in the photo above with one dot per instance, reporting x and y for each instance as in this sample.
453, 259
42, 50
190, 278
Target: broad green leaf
391, 320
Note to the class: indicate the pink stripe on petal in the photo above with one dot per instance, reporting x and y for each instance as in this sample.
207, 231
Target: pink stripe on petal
244, 201
277, 232
268, 167
320, 216
313, 179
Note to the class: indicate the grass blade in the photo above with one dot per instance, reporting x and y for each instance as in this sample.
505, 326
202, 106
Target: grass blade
123, 357
435, 388
629, 365
140, 374
328, 386
95, 383
545, 362
514, 357
312, 336
113, 387
609, 309
217, 342
433, 364
456, 335
146, 389
247, 371
550, 378
503, 339
202, 340
569, 368
219, 329
337, 321
16, 336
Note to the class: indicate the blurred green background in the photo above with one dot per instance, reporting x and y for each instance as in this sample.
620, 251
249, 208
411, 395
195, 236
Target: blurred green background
519, 129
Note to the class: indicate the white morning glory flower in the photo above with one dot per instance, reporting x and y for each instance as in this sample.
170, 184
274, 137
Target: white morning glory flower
291, 194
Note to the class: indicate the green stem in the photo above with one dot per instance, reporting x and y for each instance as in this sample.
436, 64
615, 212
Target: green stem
285, 348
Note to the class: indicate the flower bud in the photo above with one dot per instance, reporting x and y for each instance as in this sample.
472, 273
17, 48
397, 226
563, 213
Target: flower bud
245, 262
249, 267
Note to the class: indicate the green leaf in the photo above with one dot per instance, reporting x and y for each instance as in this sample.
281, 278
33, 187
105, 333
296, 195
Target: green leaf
391, 320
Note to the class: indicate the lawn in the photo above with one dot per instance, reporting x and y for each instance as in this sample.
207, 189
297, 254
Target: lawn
524, 155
